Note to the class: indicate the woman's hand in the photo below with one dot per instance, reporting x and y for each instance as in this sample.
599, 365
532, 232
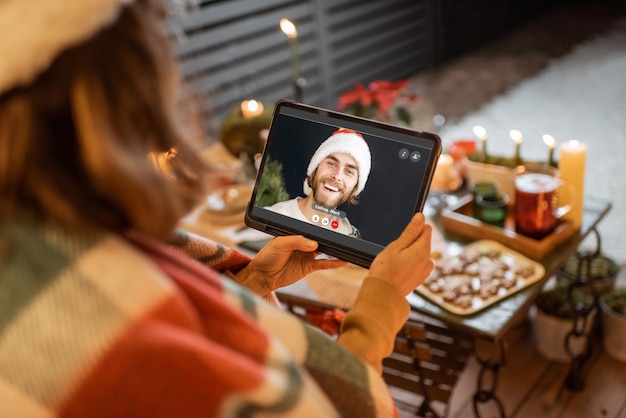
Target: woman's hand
405, 263
283, 261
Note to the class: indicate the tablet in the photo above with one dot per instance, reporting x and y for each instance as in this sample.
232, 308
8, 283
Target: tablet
349, 183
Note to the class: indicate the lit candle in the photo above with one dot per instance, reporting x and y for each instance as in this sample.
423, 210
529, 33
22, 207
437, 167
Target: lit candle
289, 29
481, 133
517, 138
251, 108
572, 157
549, 141
444, 173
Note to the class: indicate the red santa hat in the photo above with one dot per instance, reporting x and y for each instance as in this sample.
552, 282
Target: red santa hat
348, 142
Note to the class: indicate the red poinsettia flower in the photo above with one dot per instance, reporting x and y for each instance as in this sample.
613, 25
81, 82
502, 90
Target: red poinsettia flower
359, 95
328, 320
378, 100
386, 92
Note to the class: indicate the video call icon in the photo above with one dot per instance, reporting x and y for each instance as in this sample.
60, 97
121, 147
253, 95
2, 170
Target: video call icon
414, 156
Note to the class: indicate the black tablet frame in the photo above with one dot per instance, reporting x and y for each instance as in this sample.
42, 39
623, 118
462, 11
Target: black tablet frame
414, 171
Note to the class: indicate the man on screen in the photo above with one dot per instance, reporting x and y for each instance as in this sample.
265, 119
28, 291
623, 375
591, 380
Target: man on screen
336, 174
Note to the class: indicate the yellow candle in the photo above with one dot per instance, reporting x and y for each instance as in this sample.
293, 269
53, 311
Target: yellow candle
444, 173
572, 157
251, 108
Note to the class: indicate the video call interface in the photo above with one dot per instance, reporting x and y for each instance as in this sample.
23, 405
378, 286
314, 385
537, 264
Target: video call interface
390, 197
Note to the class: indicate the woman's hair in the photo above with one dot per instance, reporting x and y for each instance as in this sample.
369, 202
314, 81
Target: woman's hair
74, 144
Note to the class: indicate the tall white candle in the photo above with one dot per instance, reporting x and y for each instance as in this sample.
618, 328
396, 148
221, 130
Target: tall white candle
551, 143
517, 138
572, 158
481, 133
290, 30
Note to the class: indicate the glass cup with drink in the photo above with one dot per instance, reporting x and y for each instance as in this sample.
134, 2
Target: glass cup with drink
539, 203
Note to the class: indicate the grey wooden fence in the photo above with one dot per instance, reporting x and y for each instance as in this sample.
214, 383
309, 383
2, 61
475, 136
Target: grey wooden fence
231, 50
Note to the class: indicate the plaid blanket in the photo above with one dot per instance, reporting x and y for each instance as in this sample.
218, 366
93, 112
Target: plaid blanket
109, 326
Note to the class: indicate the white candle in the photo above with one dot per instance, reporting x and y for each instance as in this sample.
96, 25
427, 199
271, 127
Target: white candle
481, 133
251, 108
550, 142
289, 29
517, 138
572, 157
444, 173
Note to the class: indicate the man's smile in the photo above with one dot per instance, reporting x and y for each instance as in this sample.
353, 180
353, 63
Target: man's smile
331, 187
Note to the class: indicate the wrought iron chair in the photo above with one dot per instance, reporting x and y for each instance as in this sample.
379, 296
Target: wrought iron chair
426, 363
427, 360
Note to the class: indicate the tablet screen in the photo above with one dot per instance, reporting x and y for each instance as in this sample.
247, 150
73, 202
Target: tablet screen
349, 183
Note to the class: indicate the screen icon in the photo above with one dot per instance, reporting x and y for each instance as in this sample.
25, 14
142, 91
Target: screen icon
403, 154
325, 221
335, 224
415, 156
315, 218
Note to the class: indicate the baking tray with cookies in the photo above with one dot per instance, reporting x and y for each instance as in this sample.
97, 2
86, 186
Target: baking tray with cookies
460, 218
484, 273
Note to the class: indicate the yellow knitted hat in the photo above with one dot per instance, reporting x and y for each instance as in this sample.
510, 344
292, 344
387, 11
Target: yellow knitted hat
35, 32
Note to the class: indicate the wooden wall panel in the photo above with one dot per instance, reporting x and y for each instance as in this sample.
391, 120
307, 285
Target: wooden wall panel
231, 50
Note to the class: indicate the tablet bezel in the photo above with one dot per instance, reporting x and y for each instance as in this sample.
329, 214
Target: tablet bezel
357, 251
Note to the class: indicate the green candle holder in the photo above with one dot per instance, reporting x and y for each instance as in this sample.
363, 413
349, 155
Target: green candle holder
490, 207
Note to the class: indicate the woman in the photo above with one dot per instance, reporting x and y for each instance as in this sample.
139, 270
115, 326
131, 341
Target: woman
98, 317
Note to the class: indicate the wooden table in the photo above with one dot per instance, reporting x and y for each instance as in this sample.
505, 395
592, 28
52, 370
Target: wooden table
493, 322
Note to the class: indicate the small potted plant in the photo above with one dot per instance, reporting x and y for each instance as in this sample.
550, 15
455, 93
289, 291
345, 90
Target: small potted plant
598, 272
555, 310
613, 314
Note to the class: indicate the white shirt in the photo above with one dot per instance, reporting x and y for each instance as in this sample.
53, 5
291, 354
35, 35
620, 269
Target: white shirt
292, 209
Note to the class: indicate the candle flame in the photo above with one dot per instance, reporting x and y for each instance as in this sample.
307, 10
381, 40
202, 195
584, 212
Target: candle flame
574, 143
443, 158
480, 132
548, 140
288, 28
516, 136
251, 108
253, 105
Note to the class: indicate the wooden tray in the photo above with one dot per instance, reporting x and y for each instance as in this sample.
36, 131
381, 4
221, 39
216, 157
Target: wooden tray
512, 259
459, 218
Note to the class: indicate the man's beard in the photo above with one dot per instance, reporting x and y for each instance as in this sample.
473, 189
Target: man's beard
326, 198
